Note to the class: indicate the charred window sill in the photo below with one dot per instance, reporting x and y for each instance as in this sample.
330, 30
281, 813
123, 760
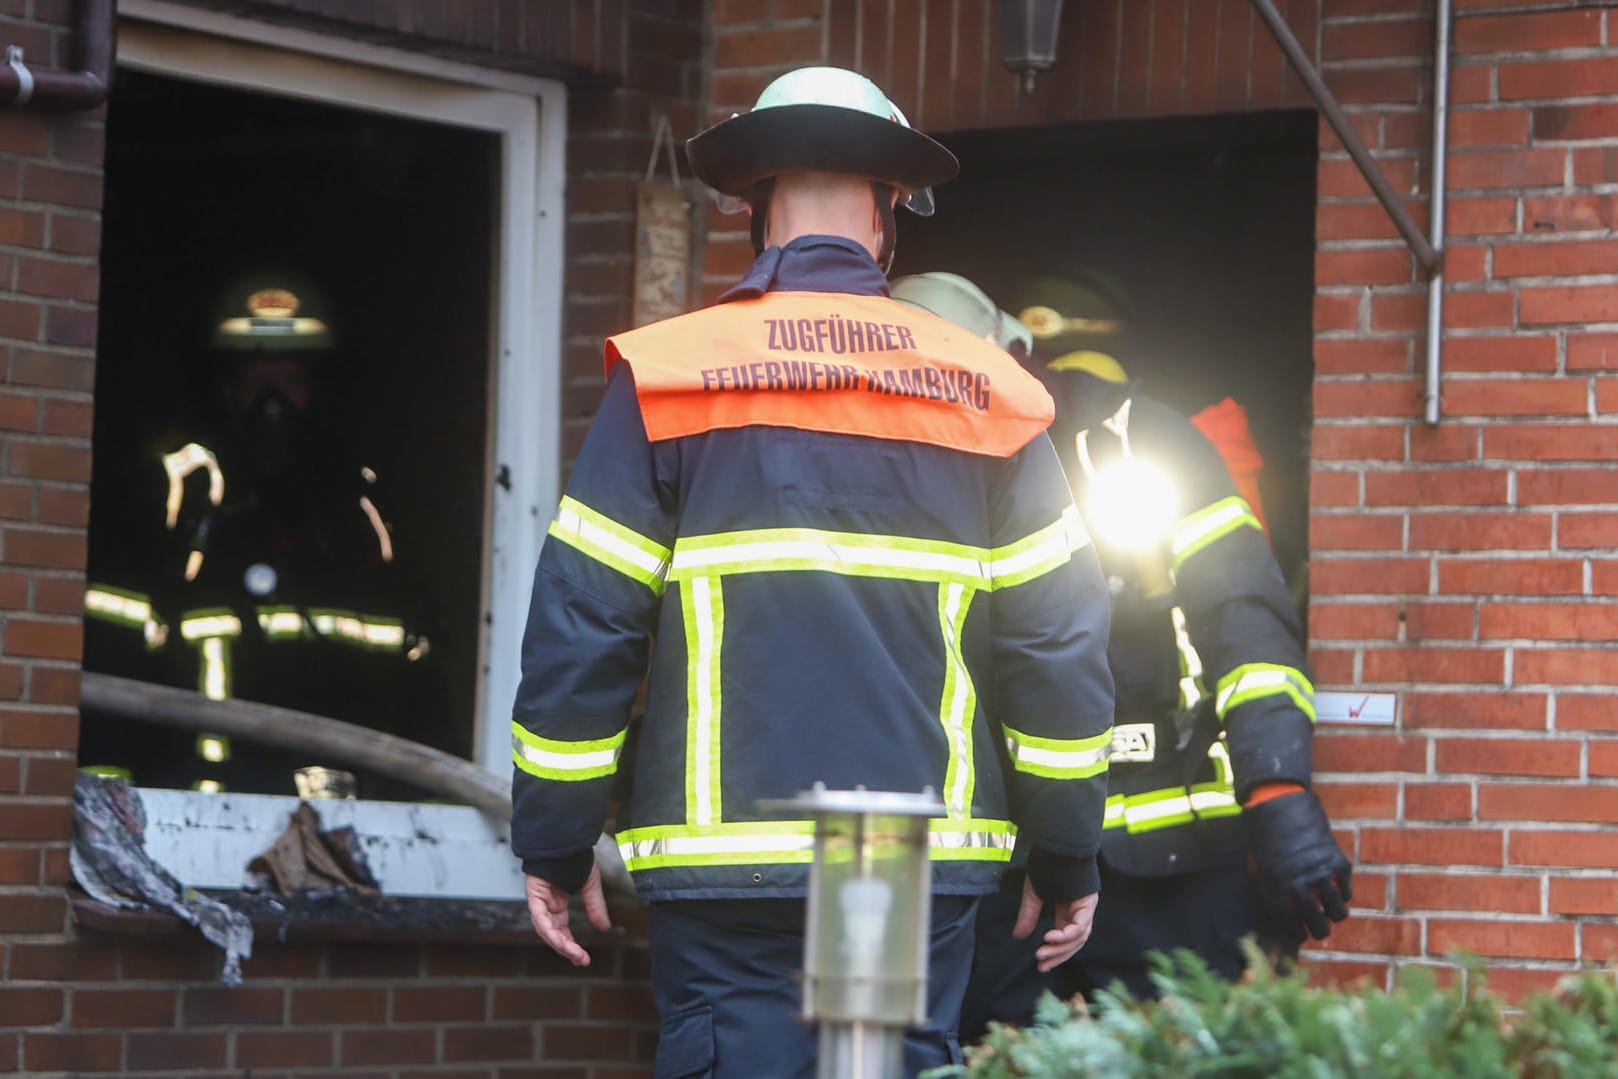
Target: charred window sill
350, 916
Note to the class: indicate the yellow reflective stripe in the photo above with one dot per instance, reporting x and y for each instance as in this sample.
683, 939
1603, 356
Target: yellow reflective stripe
180, 464
117, 605
367, 631
212, 622
971, 839
1059, 758
378, 632
959, 703
1224, 773
281, 623
551, 758
1148, 811
1251, 681
1210, 523
1152, 810
735, 843
1038, 554
786, 842
858, 554
214, 679
702, 609
848, 553
612, 544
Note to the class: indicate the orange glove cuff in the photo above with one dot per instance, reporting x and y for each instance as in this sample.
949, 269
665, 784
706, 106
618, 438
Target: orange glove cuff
1266, 791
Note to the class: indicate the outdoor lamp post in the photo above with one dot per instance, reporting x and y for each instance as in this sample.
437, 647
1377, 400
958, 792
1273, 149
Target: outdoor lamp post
1028, 37
865, 940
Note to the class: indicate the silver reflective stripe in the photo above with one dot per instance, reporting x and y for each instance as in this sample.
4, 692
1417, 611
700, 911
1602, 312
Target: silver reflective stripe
611, 543
1059, 758
1190, 661
280, 623
1052, 545
1052, 758
766, 554
959, 704
1151, 809
215, 675
565, 762
116, 606
867, 555
200, 627
682, 846
761, 843
355, 628
1209, 524
705, 619
943, 840
1254, 680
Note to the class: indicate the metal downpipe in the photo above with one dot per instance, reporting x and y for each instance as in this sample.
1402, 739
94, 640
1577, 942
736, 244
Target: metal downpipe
1432, 398
83, 85
1340, 123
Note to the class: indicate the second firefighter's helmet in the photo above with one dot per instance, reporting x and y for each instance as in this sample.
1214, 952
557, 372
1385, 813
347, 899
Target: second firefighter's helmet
953, 297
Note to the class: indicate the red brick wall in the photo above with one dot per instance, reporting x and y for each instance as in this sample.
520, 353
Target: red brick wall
1467, 568
50, 197
610, 139
1462, 565
108, 1006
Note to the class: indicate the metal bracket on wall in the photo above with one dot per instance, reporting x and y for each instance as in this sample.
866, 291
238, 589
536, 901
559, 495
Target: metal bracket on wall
1428, 252
83, 85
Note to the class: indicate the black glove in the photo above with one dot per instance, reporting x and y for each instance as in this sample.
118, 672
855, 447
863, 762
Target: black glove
1303, 873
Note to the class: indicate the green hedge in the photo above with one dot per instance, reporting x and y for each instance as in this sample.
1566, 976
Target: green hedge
1276, 1026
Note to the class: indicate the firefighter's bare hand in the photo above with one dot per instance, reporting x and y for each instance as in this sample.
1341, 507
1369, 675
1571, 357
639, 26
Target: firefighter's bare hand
547, 909
1071, 930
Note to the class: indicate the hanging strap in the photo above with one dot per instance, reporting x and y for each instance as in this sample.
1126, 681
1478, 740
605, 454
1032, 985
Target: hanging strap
662, 139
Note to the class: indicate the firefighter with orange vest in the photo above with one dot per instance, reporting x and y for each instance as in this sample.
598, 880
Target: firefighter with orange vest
844, 525
1212, 833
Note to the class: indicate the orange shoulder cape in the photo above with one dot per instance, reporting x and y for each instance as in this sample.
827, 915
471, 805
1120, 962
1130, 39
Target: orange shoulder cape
1225, 425
832, 362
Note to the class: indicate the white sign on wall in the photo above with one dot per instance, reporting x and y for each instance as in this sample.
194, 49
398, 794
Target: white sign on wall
1354, 706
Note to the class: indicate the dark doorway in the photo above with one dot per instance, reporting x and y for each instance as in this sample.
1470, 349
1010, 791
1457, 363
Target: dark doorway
390, 223
1207, 225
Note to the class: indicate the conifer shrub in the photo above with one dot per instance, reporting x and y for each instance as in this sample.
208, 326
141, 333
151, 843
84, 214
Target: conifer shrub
1276, 1026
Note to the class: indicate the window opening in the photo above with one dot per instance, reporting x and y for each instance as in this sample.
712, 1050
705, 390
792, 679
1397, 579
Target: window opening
295, 316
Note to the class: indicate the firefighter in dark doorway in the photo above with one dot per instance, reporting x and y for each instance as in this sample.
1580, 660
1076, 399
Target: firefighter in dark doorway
1211, 831
256, 563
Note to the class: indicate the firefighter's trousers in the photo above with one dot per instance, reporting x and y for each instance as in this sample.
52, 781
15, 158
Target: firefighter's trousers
727, 978
1207, 912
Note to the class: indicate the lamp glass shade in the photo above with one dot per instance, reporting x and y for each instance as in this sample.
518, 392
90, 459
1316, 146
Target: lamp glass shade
1028, 34
865, 955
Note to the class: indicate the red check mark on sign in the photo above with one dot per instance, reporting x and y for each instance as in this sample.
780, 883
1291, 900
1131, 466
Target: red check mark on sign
1354, 713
